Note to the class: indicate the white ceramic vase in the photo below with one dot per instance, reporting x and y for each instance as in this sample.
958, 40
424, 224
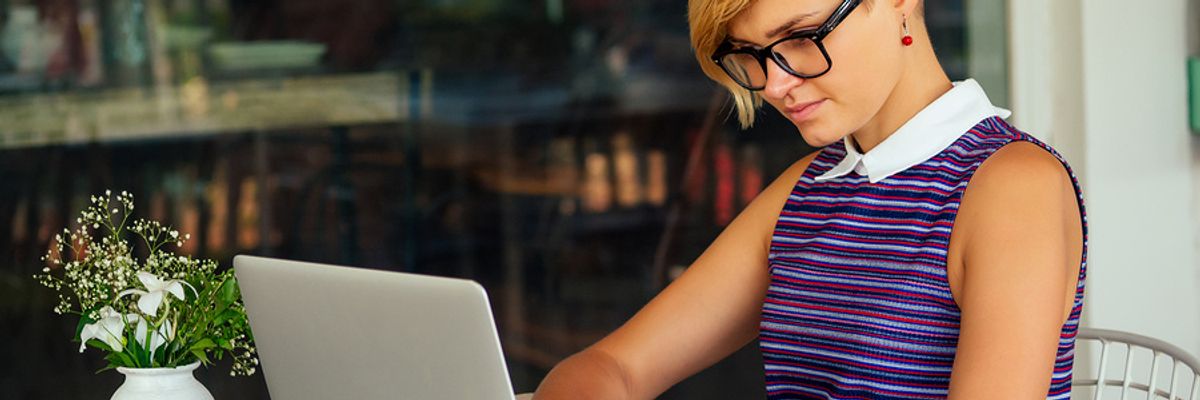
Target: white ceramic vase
161, 383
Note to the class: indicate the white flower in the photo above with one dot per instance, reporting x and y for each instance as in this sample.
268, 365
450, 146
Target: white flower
156, 288
110, 329
160, 336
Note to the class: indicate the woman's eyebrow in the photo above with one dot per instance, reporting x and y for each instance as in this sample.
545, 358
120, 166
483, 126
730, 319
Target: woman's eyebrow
797, 20
791, 24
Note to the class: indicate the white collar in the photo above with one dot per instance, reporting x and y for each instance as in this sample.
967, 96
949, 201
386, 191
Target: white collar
925, 135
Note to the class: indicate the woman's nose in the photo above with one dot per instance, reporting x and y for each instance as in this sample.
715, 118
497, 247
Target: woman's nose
779, 82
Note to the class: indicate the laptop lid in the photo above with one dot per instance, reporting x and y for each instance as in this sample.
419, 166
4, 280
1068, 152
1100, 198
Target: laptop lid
331, 332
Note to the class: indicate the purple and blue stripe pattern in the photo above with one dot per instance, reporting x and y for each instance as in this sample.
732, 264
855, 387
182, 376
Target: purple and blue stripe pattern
859, 306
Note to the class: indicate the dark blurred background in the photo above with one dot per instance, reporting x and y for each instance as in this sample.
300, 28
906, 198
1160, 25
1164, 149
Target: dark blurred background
567, 154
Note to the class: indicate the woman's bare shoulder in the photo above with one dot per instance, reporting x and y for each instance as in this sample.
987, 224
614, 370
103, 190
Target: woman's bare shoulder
1019, 175
1019, 167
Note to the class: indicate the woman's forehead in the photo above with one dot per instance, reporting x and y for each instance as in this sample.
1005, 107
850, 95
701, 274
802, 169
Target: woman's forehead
764, 20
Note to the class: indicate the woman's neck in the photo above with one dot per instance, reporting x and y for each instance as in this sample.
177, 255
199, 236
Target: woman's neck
922, 82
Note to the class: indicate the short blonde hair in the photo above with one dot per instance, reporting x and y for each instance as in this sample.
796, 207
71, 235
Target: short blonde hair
708, 21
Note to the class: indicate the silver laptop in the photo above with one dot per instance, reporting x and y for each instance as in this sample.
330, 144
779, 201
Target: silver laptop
329, 332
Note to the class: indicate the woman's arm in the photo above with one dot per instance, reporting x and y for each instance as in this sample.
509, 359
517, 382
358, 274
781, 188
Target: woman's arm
589, 374
1023, 240
710, 311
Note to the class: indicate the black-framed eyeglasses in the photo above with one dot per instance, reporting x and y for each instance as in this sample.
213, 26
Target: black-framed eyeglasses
801, 53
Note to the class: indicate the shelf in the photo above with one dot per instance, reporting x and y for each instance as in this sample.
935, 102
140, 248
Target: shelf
198, 108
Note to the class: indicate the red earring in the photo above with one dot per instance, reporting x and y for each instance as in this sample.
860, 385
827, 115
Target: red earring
907, 40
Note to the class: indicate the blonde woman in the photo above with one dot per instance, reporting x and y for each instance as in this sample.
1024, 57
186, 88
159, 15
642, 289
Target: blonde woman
928, 249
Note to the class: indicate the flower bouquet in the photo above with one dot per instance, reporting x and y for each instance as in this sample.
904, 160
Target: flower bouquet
145, 306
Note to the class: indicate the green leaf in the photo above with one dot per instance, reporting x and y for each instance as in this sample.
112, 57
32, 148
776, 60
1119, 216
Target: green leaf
228, 293
119, 360
99, 345
190, 292
139, 355
201, 356
203, 344
159, 358
225, 316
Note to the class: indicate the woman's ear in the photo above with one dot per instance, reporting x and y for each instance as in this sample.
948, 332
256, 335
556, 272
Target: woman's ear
908, 7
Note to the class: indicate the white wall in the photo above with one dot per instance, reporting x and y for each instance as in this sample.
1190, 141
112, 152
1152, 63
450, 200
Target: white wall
1193, 21
987, 60
1103, 81
1192, 16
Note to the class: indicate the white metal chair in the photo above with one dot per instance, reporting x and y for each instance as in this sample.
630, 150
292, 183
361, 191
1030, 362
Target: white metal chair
1128, 382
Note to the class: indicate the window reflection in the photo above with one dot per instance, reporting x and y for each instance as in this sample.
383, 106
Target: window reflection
568, 154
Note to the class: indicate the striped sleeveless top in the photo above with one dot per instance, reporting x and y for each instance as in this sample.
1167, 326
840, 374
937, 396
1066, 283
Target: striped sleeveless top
859, 306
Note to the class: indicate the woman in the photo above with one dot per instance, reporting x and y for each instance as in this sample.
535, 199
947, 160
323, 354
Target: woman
870, 268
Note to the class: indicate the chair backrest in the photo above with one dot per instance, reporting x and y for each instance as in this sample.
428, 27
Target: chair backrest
1183, 382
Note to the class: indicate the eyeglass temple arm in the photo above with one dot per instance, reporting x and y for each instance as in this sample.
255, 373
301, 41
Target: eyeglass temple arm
838, 16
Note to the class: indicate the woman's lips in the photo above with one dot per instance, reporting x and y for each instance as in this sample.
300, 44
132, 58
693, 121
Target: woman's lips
804, 111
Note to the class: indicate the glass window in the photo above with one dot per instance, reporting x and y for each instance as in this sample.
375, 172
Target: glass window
567, 154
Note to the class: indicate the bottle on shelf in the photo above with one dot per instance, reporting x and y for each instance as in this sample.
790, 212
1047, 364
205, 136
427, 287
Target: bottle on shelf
127, 42
248, 214
563, 174
217, 195
92, 72
597, 184
656, 177
625, 164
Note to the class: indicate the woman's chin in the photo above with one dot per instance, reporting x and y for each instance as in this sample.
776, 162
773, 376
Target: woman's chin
817, 137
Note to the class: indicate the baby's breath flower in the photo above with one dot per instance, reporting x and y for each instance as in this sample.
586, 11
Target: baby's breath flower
93, 270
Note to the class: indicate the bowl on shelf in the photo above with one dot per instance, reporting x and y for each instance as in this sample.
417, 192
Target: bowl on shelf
281, 54
186, 36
